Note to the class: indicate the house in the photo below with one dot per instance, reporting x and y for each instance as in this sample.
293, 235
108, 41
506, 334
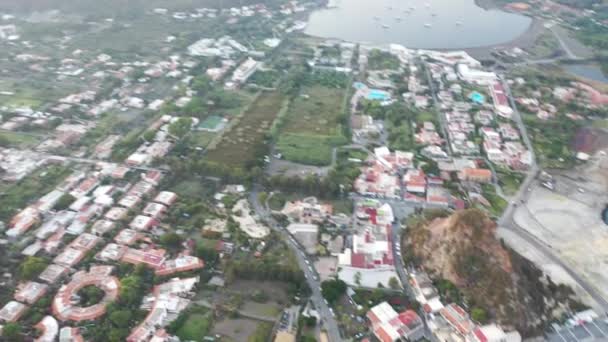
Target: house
23, 221
415, 181
154, 210
166, 197
101, 227
12, 311
127, 237
153, 258
53, 273
458, 319
49, 329
390, 326
30, 292
245, 70
116, 213
180, 264
141, 222
70, 334
476, 175
66, 309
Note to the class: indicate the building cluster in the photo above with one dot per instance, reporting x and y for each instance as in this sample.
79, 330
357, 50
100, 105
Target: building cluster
369, 259
333, 55
161, 143
451, 323
164, 304
111, 200
393, 175
468, 119
388, 326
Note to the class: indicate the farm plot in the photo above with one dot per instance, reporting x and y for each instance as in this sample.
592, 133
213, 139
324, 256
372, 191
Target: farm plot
241, 141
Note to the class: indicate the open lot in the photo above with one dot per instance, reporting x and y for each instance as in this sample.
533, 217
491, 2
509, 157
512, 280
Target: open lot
568, 220
313, 125
246, 134
235, 329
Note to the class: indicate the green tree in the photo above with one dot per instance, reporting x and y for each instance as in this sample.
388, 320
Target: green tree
333, 289
479, 315
393, 283
358, 278
12, 332
171, 240
180, 127
131, 290
64, 202
121, 318
31, 267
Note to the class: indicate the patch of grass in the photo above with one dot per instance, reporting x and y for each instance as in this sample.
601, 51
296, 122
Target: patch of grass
194, 328
188, 188
343, 206
307, 149
498, 204
423, 116
17, 139
509, 181
320, 110
18, 195
201, 138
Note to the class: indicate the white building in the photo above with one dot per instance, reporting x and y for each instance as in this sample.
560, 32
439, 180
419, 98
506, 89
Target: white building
245, 70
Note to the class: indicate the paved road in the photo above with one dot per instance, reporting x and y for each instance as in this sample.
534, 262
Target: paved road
438, 111
328, 320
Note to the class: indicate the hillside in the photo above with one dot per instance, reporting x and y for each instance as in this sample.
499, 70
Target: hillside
462, 249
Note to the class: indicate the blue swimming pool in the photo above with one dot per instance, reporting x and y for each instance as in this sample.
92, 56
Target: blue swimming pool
375, 94
477, 98
359, 85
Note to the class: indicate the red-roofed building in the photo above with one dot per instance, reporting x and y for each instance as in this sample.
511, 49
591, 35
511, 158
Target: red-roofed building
458, 319
389, 326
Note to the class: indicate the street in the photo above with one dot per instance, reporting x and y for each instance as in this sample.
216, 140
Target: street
328, 320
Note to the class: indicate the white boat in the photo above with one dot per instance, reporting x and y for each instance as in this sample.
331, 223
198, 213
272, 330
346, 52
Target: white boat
458, 23
427, 25
433, 14
384, 26
398, 18
376, 18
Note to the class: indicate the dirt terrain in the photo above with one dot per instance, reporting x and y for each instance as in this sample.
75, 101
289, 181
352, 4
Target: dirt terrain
463, 249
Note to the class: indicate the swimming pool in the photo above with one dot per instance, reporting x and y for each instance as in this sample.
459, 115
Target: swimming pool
359, 85
375, 94
477, 98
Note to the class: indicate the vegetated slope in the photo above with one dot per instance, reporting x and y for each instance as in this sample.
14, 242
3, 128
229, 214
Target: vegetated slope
462, 248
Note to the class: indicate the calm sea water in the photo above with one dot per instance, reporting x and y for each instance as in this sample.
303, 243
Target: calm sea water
449, 24
589, 71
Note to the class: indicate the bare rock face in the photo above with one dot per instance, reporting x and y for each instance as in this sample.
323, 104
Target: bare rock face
463, 249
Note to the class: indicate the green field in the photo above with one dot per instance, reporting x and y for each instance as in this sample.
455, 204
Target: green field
18, 139
313, 126
243, 139
306, 149
319, 113
210, 123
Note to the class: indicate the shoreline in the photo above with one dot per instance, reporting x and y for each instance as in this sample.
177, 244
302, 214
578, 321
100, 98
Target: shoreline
526, 39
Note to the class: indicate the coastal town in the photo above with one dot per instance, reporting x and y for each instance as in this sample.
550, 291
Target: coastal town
172, 172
